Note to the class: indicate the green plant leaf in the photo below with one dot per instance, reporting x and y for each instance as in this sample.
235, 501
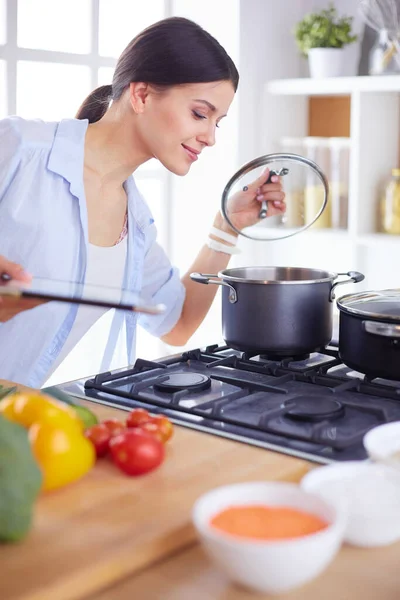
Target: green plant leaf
323, 29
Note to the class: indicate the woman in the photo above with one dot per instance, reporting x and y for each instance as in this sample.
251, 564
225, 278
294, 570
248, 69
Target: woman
70, 209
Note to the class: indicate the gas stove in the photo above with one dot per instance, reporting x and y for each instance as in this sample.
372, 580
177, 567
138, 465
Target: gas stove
313, 406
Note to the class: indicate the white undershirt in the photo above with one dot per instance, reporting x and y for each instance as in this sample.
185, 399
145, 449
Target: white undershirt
83, 351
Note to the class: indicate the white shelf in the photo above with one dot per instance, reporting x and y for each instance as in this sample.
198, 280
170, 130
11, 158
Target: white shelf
378, 239
334, 85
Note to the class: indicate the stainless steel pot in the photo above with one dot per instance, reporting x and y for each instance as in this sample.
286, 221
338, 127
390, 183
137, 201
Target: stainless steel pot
369, 332
277, 310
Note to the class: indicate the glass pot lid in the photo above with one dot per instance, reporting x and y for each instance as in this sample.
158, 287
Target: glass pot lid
306, 190
383, 304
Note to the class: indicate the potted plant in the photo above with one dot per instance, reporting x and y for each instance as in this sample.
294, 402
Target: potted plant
322, 36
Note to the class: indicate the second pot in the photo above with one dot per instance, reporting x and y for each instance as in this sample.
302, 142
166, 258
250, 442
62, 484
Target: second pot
281, 311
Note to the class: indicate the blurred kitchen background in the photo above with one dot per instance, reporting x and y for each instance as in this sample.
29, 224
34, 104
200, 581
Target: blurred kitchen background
54, 52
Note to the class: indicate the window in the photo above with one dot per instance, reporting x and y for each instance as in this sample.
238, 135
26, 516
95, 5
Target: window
53, 53
61, 26
50, 91
121, 20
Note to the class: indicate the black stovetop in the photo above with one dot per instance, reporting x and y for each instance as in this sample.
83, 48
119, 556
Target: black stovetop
312, 407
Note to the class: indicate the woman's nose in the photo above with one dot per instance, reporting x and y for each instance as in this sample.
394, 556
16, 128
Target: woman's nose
208, 137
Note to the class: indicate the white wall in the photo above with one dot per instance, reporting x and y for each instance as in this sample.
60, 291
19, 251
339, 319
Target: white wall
268, 51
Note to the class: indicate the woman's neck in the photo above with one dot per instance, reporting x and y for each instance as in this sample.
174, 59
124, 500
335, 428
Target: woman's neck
113, 150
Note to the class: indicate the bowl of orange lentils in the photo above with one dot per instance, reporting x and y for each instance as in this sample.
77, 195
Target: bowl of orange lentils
270, 537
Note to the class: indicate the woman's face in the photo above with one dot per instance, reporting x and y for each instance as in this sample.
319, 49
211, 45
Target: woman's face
176, 125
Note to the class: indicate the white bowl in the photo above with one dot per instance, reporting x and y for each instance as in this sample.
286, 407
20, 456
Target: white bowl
370, 495
383, 441
269, 566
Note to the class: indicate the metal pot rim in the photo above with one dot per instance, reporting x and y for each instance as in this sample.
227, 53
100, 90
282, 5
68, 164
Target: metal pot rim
364, 314
225, 276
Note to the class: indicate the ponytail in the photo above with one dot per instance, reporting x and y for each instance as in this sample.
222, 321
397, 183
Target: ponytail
95, 106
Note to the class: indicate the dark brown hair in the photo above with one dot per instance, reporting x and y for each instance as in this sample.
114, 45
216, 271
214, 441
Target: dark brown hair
171, 52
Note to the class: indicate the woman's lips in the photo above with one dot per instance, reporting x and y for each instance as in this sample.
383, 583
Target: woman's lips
191, 153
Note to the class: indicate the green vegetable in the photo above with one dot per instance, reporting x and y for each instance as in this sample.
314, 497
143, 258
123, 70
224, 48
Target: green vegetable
323, 30
20, 481
86, 416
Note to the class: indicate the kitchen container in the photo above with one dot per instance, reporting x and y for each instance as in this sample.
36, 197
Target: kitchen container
270, 567
282, 311
383, 443
369, 332
369, 494
389, 213
332, 155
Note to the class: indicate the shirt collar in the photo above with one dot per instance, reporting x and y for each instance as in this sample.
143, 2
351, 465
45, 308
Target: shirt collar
67, 153
67, 159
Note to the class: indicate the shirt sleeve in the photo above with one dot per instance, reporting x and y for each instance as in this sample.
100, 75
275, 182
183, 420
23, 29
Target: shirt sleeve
10, 153
162, 285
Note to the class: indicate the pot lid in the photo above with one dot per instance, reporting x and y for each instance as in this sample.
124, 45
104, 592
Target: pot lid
306, 190
384, 304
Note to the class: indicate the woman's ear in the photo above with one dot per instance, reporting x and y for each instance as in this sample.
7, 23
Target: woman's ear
138, 93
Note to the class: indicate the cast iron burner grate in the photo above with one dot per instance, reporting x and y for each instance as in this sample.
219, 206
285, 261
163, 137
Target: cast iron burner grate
316, 407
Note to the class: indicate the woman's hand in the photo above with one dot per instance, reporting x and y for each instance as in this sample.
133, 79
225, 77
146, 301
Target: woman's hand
243, 207
9, 305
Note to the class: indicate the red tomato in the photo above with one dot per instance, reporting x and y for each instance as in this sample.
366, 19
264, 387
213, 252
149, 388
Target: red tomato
137, 417
136, 452
164, 426
100, 437
114, 426
153, 429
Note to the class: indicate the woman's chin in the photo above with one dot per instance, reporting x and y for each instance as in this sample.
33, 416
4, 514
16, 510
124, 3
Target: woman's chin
178, 169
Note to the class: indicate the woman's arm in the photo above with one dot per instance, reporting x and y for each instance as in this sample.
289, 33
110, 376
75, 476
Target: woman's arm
244, 208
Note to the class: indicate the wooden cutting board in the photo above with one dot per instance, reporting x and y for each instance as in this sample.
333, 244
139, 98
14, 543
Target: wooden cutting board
97, 531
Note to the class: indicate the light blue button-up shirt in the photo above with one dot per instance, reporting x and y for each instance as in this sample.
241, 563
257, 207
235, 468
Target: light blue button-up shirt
44, 227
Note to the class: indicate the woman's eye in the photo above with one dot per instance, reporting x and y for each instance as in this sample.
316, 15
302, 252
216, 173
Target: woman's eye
198, 115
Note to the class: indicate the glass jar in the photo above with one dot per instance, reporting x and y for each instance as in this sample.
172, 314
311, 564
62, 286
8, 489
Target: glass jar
389, 213
318, 150
382, 57
303, 196
339, 181
293, 186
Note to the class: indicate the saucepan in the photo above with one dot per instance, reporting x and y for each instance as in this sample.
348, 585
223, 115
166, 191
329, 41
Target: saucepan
282, 311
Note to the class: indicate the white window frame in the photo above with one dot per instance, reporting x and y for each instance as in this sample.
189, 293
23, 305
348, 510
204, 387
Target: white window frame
11, 53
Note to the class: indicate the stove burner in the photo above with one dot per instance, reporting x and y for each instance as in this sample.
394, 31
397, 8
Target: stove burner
193, 382
313, 408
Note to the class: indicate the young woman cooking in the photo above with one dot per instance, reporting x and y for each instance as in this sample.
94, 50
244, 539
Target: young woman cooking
70, 209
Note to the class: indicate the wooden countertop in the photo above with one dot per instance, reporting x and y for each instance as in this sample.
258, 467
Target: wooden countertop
95, 532
356, 574
111, 537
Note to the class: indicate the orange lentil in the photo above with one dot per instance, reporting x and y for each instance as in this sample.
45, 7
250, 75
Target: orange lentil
266, 522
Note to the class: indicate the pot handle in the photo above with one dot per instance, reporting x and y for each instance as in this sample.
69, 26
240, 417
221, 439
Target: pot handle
354, 276
382, 329
206, 278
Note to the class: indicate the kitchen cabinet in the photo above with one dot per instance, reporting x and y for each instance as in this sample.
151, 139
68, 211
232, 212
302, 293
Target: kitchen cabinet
371, 106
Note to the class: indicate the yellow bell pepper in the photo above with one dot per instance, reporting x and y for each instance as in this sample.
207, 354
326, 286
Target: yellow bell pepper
56, 435
28, 408
64, 455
